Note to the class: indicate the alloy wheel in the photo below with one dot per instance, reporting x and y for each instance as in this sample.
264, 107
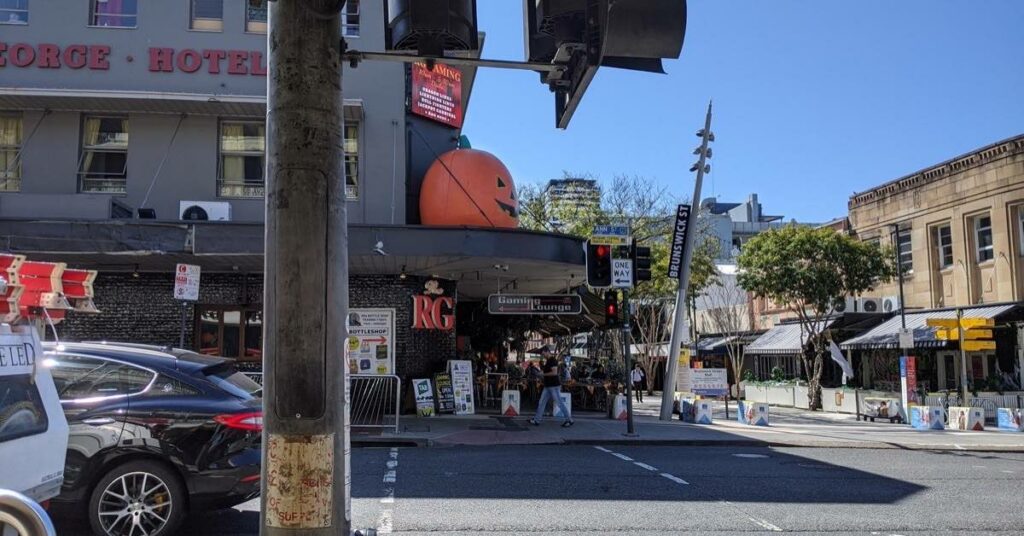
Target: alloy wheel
135, 504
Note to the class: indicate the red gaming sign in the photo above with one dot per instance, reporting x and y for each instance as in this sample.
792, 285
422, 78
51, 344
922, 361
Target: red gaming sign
437, 93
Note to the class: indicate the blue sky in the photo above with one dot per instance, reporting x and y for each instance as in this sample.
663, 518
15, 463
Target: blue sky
814, 100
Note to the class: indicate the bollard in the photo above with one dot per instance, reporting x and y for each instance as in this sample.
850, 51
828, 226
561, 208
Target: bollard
927, 418
963, 418
752, 413
510, 403
1009, 420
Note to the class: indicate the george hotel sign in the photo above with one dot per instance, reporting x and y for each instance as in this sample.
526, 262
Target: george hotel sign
97, 57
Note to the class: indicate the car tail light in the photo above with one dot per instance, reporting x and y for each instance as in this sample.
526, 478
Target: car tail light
251, 422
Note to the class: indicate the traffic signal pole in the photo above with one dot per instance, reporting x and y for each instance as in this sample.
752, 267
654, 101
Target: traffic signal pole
627, 332
305, 469
679, 333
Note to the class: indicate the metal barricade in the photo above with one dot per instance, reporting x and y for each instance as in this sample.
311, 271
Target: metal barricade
255, 376
374, 400
23, 515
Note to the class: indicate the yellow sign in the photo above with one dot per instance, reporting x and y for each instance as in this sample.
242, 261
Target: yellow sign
965, 323
609, 240
684, 357
969, 334
979, 346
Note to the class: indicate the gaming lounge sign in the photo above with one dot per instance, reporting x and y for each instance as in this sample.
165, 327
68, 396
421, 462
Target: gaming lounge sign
160, 59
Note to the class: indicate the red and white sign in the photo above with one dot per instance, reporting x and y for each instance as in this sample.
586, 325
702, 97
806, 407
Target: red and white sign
437, 94
186, 282
433, 312
98, 57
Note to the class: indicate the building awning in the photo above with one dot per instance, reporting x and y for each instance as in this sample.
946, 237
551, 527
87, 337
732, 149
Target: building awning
783, 339
714, 345
886, 335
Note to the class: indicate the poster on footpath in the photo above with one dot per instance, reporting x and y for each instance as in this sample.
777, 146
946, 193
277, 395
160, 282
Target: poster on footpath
424, 397
710, 381
684, 378
462, 386
444, 392
371, 341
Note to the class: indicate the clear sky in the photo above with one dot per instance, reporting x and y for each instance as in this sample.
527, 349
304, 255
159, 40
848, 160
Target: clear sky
813, 99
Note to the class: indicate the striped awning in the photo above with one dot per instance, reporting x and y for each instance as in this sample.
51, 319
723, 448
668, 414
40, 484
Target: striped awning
886, 335
783, 339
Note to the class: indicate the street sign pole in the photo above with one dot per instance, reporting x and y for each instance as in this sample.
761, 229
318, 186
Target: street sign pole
963, 357
184, 319
305, 480
627, 330
679, 331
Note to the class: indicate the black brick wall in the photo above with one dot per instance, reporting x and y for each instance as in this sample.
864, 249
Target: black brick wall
142, 309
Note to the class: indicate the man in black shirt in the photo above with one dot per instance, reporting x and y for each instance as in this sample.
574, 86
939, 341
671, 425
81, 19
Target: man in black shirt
552, 391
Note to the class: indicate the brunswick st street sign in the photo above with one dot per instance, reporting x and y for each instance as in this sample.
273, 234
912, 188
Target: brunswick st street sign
534, 304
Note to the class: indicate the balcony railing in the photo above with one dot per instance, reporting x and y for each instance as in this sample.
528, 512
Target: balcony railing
240, 188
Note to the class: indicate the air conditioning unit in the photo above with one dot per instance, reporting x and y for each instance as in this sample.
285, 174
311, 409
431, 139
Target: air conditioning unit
891, 304
848, 305
869, 305
204, 210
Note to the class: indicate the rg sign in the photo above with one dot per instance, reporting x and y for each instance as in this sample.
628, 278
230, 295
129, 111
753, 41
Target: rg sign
433, 313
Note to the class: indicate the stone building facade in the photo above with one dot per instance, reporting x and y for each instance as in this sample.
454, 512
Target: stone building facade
957, 225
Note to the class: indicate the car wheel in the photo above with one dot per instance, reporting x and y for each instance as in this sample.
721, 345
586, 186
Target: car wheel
137, 498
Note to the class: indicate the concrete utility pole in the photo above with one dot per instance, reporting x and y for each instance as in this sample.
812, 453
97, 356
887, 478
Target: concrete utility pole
679, 334
305, 484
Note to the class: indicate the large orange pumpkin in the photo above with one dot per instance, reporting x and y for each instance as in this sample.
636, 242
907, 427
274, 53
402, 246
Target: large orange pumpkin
469, 187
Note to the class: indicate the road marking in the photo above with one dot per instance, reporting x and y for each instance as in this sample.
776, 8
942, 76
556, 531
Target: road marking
602, 449
386, 521
644, 465
958, 447
765, 525
1008, 472
622, 456
752, 456
675, 479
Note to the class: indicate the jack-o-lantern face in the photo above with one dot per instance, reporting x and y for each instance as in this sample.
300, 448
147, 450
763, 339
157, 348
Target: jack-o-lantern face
469, 187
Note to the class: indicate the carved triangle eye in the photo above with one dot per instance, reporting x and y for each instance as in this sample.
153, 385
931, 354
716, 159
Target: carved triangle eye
501, 183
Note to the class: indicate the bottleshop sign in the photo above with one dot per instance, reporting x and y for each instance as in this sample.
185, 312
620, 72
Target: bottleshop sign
99, 57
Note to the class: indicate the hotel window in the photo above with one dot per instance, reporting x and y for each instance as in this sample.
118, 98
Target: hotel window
104, 163
114, 13
350, 19
983, 238
207, 15
230, 331
10, 146
242, 149
13, 11
351, 145
256, 16
906, 252
944, 246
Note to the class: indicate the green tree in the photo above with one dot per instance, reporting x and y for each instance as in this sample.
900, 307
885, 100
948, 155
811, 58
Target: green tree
808, 271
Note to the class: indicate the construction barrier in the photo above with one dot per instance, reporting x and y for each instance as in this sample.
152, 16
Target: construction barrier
961, 418
510, 403
557, 412
619, 408
752, 413
1009, 419
695, 411
927, 418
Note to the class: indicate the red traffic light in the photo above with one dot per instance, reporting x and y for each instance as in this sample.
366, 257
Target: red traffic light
612, 310
602, 251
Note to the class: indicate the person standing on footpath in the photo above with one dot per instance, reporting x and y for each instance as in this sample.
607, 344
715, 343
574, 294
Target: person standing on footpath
552, 391
638, 376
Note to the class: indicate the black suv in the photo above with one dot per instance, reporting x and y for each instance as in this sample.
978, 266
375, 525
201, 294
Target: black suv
154, 432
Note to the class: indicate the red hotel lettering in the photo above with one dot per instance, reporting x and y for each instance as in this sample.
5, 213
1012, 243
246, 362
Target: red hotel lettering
189, 61
236, 62
214, 57
49, 56
428, 314
256, 61
98, 57
16, 55
161, 59
74, 56
3, 48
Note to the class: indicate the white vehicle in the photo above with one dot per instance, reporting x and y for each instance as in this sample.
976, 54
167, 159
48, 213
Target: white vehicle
33, 430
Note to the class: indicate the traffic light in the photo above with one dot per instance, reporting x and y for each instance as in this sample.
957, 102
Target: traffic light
599, 265
611, 309
578, 36
641, 256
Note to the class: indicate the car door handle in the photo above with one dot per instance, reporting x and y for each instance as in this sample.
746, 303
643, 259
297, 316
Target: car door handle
98, 421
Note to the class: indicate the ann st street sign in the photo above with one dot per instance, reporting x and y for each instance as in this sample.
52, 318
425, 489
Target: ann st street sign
534, 304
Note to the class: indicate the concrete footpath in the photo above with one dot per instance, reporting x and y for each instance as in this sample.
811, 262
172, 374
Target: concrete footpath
789, 428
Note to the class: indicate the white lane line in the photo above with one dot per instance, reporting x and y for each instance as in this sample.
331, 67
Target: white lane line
386, 521
675, 479
602, 449
622, 456
958, 447
644, 465
765, 525
1008, 472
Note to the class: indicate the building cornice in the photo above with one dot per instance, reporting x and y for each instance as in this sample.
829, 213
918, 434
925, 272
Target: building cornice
961, 164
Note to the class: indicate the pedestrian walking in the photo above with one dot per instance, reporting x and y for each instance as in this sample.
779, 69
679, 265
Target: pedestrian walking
552, 392
639, 379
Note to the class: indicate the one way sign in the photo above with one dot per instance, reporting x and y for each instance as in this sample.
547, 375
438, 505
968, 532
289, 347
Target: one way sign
622, 273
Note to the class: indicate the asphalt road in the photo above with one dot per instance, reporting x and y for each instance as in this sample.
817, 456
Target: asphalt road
669, 490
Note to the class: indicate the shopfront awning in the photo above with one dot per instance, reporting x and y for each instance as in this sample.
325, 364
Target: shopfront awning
783, 339
886, 335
